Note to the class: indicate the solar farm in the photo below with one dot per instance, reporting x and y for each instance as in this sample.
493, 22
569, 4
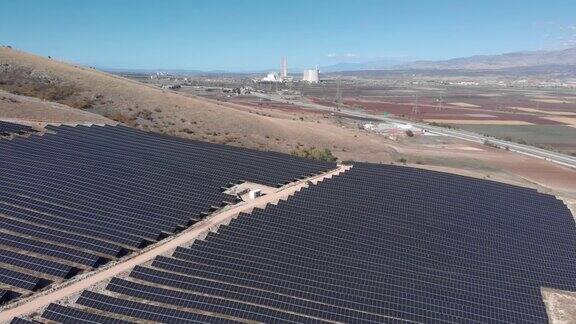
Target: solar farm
8, 129
369, 243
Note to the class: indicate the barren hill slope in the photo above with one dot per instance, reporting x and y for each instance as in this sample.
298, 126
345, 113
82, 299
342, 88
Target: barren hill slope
37, 112
154, 109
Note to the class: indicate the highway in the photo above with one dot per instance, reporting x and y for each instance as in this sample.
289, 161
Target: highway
554, 157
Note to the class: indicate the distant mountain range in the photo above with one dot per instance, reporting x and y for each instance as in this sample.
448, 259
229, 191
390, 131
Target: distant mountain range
369, 65
535, 62
478, 62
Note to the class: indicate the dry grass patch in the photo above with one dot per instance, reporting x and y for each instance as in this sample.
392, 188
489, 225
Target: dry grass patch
478, 122
463, 104
555, 101
566, 120
560, 113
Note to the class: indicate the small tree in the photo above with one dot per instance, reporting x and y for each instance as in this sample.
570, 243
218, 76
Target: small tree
313, 153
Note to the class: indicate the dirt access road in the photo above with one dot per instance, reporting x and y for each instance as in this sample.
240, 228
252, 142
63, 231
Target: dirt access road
72, 287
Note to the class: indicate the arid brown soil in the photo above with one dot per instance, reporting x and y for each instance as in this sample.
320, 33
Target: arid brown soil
34, 111
168, 112
560, 305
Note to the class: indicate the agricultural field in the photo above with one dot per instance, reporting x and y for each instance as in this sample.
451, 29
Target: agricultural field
561, 138
540, 117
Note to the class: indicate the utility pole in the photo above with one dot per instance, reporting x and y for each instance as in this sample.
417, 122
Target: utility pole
440, 104
338, 98
416, 109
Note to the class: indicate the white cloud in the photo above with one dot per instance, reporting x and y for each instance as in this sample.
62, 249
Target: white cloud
569, 42
342, 56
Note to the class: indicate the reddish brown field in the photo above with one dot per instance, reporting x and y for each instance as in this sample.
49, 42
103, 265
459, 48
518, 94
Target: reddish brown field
430, 110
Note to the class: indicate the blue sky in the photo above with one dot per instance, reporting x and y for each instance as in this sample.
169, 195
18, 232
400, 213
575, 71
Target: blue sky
253, 35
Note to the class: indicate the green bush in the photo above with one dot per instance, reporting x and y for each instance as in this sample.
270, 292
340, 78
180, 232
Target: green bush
314, 153
491, 144
449, 126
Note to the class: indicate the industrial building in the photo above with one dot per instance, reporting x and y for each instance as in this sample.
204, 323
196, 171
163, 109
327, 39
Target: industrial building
271, 77
282, 77
311, 76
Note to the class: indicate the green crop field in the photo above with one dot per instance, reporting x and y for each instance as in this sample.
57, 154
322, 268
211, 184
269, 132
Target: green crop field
561, 138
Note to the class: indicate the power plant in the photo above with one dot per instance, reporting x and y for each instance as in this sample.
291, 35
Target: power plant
284, 68
310, 76
282, 77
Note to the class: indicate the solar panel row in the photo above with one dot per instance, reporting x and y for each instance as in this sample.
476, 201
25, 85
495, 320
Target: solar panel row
7, 128
36, 264
78, 197
21, 280
68, 315
375, 244
7, 295
204, 303
18, 320
143, 311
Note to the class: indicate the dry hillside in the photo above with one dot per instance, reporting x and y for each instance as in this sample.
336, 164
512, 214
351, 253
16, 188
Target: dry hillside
165, 111
93, 92
37, 112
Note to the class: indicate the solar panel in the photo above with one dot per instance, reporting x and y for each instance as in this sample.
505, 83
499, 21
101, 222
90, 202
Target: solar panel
7, 295
144, 311
69, 315
18, 320
7, 128
224, 306
376, 244
88, 195
36, 264
21, 280
53, 250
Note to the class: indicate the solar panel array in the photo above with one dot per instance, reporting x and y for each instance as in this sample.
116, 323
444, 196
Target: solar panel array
75, 198
375, 244
7, 128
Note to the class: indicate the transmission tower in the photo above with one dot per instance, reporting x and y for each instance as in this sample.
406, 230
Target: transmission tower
440, 106
338, 98
415, 108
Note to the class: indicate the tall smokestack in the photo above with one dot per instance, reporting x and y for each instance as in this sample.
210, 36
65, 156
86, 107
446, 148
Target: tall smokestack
283, 67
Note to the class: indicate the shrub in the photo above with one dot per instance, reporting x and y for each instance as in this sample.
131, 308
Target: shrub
490, 144
442, 125
145, 114
313, 153
409, 133
119, 117
81, 103
402, 160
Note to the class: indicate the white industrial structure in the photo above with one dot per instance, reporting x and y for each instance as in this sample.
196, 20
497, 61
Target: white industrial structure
272, 77
284, 68
312, 76
282, 77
